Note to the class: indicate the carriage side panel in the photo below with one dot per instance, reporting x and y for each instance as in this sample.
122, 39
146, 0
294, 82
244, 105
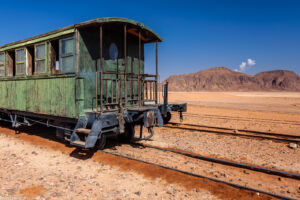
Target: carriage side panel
51, 95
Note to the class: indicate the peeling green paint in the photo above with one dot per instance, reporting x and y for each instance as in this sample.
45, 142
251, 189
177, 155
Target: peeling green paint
51, 96
70, 95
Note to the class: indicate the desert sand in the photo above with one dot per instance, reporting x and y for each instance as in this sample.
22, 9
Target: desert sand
34, 165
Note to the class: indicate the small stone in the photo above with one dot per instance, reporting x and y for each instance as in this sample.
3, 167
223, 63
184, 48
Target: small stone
11, 191
19, 164
279, 179
257, 193
138, 193
169, 191
34, 153
293, 145
245, 172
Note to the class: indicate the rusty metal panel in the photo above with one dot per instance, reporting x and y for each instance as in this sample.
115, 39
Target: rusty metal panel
51, 95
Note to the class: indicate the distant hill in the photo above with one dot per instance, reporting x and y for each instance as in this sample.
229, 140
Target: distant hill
224, 79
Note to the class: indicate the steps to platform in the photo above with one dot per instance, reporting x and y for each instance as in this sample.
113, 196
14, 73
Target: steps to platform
79, 143
83, 131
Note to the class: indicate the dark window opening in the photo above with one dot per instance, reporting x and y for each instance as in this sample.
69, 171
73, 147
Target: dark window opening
31, 56
54, 54
11, 63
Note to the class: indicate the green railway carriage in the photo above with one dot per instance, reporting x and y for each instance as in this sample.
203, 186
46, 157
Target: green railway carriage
87, 80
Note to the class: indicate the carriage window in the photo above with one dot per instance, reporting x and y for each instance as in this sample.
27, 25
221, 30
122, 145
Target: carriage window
113, 51
2, 65
67, 48
20, 62
40, 58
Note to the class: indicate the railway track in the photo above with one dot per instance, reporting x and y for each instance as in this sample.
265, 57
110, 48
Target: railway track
199, 176
248, 119
236, 132
226, 162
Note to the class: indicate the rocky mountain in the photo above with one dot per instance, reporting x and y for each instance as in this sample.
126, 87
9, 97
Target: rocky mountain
224, 79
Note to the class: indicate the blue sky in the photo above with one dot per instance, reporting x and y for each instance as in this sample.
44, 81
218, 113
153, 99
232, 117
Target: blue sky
197, 34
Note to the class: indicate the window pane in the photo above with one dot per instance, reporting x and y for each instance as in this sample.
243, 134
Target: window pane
2, 71
20, 69
40, 66
67, 64
40, 51
113, 51
20, 55
67, 47
2, 59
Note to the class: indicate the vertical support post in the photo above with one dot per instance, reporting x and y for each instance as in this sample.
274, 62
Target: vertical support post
96, 91
139, 74
125, 62
156, 77
165, 110
101, 67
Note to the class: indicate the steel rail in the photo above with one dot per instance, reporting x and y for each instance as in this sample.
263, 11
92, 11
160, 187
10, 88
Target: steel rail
239, 132
201, 176
228, 163
297, 123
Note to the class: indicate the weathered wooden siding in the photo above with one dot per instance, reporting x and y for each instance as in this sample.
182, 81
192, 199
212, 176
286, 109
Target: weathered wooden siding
51, 95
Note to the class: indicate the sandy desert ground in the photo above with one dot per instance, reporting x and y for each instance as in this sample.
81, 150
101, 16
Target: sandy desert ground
34, 165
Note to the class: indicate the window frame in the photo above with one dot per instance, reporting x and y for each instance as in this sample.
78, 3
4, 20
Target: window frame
20, 62
4, 64
41, 59
62, 56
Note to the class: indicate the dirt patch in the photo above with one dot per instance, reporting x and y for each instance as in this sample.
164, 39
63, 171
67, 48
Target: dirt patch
172, 177
32, 192
222, 191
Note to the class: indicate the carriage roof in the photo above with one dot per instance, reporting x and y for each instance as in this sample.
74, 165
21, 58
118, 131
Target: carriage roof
149, 35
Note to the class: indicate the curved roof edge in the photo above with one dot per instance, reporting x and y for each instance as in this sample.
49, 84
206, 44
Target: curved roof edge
71, 28
122, 20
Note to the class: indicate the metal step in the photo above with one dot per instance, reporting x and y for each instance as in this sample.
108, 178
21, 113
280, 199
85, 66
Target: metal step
83, 131
79, 143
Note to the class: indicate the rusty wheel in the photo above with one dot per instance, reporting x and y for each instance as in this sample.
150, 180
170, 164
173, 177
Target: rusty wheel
167, 118
101, 142
128, 136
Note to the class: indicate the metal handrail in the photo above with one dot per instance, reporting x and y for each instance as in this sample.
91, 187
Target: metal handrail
145, 89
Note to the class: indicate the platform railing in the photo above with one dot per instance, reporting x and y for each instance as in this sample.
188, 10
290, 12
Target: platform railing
111, 87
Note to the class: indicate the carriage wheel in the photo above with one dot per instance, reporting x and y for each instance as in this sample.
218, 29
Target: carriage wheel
129, 132
167, 118
101, 142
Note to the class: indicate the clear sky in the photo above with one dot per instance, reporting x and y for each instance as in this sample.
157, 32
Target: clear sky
197, 34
